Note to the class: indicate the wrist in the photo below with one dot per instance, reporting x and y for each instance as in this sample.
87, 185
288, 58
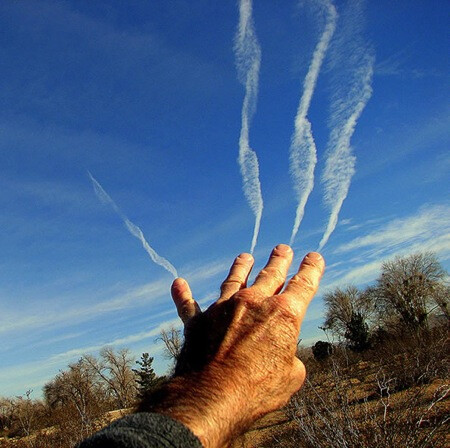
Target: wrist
206, 402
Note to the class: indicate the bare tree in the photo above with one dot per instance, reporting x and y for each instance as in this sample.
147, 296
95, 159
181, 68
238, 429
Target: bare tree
346, 305
441, 296
340, 306
78, 393
28, 414
173, 342
408, 287
22, 416
115, 370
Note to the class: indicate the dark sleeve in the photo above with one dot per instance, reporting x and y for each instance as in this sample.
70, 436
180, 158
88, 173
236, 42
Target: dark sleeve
143, 430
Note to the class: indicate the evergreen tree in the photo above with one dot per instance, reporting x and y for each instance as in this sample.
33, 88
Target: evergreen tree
357, 333
146, 377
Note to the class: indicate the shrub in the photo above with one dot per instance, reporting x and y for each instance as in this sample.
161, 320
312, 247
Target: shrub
395, 395
322, 350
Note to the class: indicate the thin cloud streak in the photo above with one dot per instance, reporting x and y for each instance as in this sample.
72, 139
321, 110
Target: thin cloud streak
153, 291
347, 106
427, 230
248, 61
303, 153
132, 338
429, 222
53, 363
132, 228
368, 272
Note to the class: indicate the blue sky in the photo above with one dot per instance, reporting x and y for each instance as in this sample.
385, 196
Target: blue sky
146, 97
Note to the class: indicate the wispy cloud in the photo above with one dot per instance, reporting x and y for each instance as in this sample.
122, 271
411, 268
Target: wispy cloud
72, 354
150, 292
429, 223
133, 229
248, 61
354, 62
208, 270
47, 368
345, 222
427, 230
303, 153
396, 65
357, 276
153, 291
419, 135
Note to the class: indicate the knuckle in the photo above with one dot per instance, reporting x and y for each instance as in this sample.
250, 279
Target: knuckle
246, 296
277, 273
231, 284
286, 307
305, 282
233, 279
243, 294
272, 272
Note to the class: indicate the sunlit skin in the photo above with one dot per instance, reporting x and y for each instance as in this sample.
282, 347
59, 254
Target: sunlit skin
239, 360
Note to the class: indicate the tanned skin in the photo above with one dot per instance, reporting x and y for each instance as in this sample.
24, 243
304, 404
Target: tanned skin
239, 359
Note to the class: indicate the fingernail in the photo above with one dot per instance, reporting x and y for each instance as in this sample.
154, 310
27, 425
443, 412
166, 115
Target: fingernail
245, 257
283, 248
314, 256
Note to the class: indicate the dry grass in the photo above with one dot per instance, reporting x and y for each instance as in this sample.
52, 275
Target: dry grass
396, 395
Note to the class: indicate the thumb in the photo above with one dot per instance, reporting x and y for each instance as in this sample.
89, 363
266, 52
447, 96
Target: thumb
298, 375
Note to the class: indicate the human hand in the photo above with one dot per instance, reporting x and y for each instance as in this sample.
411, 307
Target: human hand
238, 362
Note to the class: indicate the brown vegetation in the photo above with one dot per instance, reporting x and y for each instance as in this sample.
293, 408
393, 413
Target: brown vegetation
395, 395
384, 383
77, 402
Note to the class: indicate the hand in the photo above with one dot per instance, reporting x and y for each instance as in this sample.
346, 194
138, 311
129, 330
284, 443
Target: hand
238, 362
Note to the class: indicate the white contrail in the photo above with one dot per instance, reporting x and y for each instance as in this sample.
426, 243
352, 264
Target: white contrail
248, 61
340, 163
303, 154
132, 228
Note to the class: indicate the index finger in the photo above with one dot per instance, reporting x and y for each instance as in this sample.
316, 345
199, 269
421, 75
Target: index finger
186, 306
303, 286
